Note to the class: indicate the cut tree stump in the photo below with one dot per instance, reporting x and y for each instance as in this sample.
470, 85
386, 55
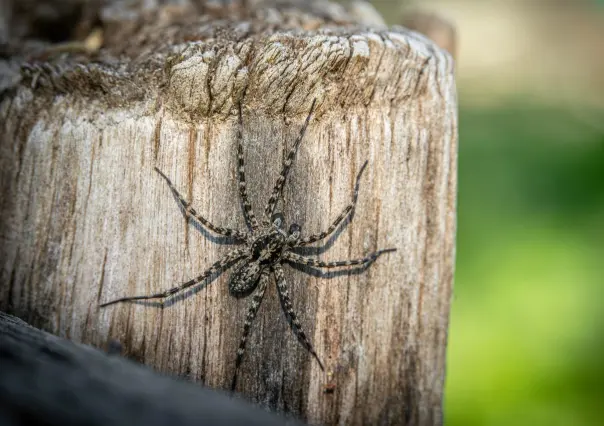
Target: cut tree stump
85, 218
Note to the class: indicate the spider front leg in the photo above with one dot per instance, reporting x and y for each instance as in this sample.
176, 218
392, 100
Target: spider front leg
190, 211
272, 202
219, 266
296, 258
250, 217
251, 314
289, 311
345, 213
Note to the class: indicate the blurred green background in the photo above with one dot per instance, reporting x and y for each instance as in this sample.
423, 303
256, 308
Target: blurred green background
526, 338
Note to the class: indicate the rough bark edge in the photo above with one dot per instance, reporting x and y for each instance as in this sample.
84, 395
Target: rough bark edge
200, 65
338, 67
51, 381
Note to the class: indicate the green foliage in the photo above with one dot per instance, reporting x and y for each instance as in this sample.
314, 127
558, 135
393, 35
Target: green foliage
527, 321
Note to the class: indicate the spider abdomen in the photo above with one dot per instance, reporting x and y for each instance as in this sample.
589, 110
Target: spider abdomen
245, 278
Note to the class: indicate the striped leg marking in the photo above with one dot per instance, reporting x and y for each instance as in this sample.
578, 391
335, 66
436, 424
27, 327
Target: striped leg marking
289, 311
272, 202
316, 237
250, 217
302, 260
251, 314
190, 211
219, 266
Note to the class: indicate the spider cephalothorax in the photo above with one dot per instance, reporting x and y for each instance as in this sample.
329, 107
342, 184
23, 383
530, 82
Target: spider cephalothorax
265, 247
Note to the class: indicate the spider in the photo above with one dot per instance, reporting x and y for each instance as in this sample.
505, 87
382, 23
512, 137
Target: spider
266, 246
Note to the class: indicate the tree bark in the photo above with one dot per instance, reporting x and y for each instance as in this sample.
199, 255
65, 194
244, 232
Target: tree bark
86, 219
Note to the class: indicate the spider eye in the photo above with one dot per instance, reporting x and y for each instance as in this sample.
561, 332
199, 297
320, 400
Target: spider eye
294, 229
277, 220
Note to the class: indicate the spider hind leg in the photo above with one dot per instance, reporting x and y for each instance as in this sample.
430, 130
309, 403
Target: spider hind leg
251, 314
289, 311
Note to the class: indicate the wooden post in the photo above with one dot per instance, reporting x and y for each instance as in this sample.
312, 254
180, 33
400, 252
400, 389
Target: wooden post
86, 219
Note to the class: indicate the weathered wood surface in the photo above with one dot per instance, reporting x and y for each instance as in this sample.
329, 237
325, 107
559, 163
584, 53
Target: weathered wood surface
85, 219
50, 381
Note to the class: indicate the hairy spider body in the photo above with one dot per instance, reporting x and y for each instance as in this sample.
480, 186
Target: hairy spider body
266, 246
245, 278
266, 249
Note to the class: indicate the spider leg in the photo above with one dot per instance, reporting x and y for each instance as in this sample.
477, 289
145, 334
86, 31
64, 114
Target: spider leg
289, 311
190, 211
296, 258
250, 217
251, 314
270, 207
219, 266
345, 213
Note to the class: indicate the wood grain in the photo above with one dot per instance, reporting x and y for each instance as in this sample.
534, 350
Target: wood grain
86, 219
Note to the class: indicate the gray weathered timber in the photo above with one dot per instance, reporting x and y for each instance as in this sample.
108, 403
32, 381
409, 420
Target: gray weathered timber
85, 218
47, 380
